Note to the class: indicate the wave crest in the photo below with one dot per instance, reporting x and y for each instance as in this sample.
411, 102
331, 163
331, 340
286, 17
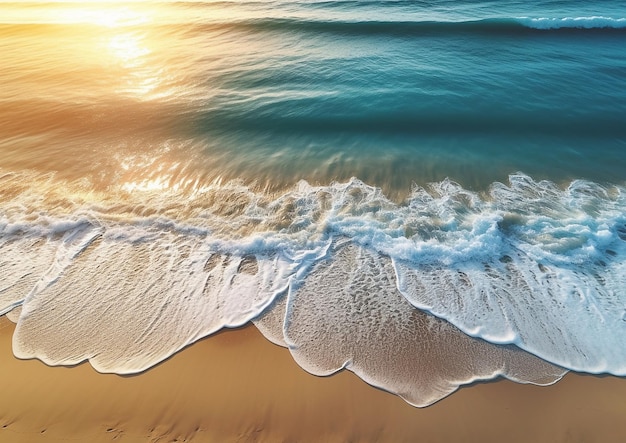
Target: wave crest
489, 26
593, 22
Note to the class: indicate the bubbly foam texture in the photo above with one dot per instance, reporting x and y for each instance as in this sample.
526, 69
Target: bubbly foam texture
593, 22
20, 276
349, 314
127, 304
127, 279
555, 264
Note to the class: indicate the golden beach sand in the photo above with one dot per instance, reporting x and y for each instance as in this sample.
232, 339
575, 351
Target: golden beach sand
237, 386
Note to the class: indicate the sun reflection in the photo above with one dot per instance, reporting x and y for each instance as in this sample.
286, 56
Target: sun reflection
110, 16
129, 51
148, 185
161, 183
128, 48
117, 39
148, 174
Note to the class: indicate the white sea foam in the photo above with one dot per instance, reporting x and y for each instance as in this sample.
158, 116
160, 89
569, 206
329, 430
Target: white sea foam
127, 279
25, 258
126, 305
348, 314
592, 22
552, 283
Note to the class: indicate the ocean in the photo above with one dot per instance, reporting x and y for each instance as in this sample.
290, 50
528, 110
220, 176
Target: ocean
426, 193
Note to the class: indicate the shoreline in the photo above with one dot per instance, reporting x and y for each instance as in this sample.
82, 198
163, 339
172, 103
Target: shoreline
237, 386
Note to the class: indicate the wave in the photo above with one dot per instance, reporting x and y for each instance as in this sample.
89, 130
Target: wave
594, 22
412, 121
528, 278
504, 26
366, 326
490, 26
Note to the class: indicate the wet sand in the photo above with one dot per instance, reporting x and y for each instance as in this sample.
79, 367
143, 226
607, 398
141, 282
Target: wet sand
237, 386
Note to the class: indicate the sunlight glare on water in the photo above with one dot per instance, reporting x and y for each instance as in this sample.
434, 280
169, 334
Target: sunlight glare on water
109, 15
99, 83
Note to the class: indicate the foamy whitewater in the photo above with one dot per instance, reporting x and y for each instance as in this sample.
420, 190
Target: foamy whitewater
424, 194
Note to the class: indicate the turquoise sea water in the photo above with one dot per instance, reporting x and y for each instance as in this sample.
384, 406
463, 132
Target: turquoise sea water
430, 192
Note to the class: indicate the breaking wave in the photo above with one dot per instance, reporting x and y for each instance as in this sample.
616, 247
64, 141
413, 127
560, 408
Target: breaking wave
399, 27
482, 283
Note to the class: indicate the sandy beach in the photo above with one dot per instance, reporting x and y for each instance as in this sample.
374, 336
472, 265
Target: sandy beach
237, 386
